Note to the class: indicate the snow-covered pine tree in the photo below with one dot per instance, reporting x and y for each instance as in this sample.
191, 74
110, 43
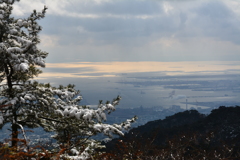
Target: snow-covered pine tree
19, 58
27, 103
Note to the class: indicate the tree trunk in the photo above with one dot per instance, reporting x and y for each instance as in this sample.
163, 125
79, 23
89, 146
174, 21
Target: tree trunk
9, 72
14, 135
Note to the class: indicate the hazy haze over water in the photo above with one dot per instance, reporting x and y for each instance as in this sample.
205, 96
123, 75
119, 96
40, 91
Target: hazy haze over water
150, 84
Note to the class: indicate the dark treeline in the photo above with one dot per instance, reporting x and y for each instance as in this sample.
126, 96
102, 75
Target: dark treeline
184, 135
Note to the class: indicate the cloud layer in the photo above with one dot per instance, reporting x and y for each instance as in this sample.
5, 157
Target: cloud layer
138, 30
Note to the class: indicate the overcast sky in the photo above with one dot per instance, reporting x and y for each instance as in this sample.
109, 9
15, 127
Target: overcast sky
96, 43
138, 30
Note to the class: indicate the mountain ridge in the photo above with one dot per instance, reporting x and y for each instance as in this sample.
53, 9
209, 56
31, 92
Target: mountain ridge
210, 133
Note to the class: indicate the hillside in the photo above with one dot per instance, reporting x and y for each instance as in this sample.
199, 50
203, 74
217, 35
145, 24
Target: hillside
187, 134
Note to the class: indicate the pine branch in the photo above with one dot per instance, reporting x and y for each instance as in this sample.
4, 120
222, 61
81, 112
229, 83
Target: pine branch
50, 119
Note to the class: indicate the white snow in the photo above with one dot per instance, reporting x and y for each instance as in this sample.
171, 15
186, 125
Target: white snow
59, 112
20, 22
24, 67
22, 100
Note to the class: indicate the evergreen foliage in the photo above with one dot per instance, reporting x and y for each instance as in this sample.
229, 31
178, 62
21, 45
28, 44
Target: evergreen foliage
28, 103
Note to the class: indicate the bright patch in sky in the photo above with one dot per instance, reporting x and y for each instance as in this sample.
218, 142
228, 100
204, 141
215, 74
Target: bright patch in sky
113, 69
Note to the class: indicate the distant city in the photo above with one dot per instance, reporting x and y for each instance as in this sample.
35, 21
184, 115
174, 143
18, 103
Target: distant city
153, 95
38, 136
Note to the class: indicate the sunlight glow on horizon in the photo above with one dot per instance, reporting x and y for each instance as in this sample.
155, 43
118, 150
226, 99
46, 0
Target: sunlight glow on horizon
113, 69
